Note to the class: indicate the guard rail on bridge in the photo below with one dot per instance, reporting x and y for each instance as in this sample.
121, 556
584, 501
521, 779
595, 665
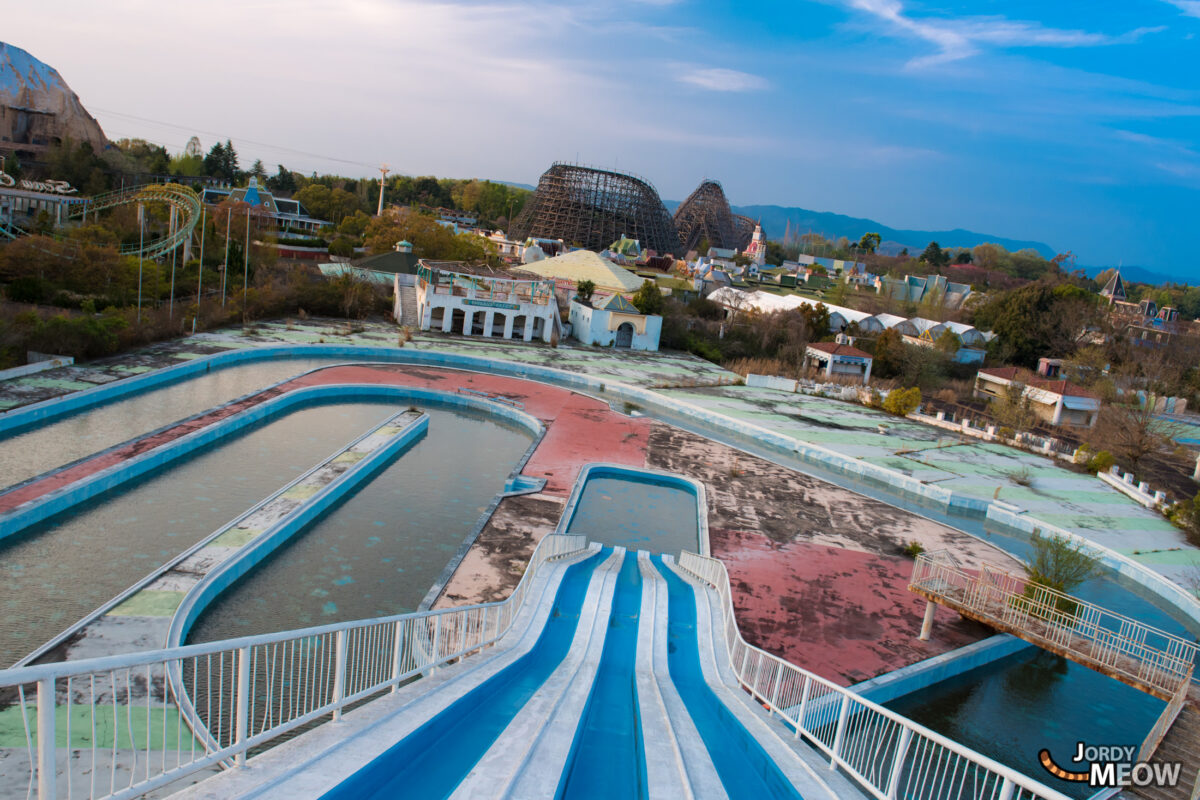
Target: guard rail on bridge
1143, 657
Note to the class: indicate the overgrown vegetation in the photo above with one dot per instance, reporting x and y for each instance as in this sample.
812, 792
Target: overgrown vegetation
1059, 564
1186, 515
902, 402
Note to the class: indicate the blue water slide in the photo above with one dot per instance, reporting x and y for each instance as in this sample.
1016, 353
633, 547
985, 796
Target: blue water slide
745, 769
608, 756
432, 760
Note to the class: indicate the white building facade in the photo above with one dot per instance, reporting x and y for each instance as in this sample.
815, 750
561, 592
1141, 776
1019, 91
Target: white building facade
453, 300
615, 323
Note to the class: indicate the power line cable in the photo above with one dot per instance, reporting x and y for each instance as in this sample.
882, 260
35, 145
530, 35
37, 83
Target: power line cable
277, 147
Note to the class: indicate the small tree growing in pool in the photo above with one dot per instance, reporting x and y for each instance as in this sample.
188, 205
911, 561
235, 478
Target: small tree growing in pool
1059, 564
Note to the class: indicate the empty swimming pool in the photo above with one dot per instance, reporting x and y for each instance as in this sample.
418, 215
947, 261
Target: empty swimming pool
636, 509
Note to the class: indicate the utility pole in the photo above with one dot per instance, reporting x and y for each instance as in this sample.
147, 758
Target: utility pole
384, 169
200, 277
246, 267
225, 269
174, 252
141, 254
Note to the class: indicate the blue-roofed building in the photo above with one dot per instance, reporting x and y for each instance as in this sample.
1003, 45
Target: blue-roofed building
286, 213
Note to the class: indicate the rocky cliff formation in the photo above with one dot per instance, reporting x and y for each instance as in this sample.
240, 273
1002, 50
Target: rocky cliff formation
38, 108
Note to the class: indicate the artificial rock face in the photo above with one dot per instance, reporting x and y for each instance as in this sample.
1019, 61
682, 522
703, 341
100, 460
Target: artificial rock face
38, 108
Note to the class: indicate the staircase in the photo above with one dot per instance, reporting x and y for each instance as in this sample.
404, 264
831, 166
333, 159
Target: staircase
1182, 744
408, 307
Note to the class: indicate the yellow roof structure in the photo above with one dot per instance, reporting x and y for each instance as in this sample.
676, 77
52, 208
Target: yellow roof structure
584, 265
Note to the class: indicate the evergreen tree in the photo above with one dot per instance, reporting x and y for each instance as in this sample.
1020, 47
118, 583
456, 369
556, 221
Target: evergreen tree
282, 181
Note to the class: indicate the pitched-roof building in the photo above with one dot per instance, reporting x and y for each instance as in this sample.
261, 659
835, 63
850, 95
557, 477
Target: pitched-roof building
838, 359
1058, 402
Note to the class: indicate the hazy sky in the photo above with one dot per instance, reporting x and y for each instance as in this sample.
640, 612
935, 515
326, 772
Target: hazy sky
1076, 124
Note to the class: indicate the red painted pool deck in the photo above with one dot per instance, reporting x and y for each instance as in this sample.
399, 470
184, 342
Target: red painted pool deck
844, 614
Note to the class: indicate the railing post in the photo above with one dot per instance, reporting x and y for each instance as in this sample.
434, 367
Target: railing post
841, 730
778, 686
898, 764
1006, 789
243, 703
803, 704
437, 642
47, 748
339, 672
397, 654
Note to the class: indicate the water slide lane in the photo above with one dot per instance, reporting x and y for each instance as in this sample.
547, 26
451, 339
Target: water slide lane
608, 757
432, 760
745, 769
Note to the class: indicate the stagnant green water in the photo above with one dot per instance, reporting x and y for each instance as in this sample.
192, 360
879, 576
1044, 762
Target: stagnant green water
54, 573
57, 443
379, 552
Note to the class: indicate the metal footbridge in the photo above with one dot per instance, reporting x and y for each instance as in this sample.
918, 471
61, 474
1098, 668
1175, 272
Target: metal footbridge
605, 673
183, 200
1144, 657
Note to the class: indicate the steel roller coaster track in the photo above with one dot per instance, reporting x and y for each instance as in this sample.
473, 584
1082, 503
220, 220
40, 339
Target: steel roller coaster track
185, 201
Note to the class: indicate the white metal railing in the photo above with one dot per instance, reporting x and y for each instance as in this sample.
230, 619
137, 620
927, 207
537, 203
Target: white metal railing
891, 757
1093, 635
1165, 720
126, 725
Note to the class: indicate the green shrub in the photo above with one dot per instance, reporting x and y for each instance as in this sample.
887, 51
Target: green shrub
902, 402
1059, 564
913, 549
341, 246
1101, 462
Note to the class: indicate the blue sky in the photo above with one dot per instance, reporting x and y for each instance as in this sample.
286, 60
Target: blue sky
1076, 124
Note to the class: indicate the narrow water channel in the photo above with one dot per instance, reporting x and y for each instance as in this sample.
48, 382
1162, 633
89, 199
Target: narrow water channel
378, 552
57, 443
54, 573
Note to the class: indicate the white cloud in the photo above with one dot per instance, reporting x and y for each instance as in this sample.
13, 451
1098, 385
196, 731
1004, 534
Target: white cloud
956, 39
1190, 8
722, 80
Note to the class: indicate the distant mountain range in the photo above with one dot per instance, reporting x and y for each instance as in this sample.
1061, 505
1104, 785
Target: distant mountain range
1136, 274
775, 221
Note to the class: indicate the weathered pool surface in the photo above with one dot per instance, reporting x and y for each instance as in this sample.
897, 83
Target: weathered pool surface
636, 514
